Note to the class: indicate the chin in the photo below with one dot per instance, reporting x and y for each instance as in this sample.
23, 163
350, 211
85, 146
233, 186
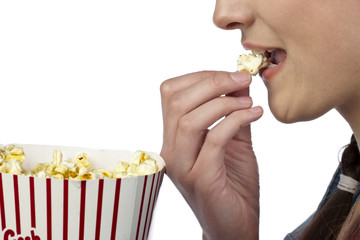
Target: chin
290, 114
284, 117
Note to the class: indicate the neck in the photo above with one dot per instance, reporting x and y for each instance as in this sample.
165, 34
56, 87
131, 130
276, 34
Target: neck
351, 113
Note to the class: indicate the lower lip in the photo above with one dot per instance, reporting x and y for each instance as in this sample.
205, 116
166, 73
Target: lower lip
268, 73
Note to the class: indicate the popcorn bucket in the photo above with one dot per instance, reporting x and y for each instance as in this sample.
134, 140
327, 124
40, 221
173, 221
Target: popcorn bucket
33, 208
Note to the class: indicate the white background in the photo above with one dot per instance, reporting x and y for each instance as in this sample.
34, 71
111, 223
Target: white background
87, 73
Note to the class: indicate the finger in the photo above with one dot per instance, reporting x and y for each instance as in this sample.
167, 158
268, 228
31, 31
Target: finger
244, 133
213, 86
232, 124
213, 150
174, 85
207, 114
194, 125
241, 92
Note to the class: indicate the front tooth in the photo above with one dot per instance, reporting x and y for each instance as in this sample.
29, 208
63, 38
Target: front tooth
271, 65
258, 52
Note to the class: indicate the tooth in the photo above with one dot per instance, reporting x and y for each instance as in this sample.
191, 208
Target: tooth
258, 52
271, 65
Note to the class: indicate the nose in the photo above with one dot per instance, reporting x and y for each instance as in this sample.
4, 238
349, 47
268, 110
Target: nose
233, 14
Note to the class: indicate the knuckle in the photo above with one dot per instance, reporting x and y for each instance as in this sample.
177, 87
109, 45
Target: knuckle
242, 118
176, 103
167, 153
238, 118
205, 74
186, 124
167, 89
217, 81
213, 140
224, 104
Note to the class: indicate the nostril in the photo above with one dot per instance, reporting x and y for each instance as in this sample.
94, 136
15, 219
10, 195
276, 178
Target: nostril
233, 25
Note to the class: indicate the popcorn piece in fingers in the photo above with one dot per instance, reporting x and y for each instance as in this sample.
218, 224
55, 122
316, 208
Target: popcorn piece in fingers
252, 62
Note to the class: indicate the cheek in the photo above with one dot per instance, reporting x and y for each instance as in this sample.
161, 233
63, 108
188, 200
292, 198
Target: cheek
321, 69
301, 92
311, 82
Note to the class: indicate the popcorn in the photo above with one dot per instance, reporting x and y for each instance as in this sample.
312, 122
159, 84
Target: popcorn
57, 157
122, 167
8, 152
14, 167
41, 174
11, 158
82, 160
142, 164
63, 167
145, 168
3, 167
252, 62
119, 174
101, 173
139, 157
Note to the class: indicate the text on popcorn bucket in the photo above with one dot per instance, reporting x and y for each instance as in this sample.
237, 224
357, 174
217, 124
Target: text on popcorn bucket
10, 235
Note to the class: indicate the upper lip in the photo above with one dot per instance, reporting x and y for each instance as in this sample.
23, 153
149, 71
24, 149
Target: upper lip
251, 46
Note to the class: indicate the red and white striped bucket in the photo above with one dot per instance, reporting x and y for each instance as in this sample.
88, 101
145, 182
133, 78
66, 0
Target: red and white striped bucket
42, 208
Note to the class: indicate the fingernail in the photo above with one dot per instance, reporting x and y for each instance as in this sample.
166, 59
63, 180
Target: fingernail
256, 109
240, 77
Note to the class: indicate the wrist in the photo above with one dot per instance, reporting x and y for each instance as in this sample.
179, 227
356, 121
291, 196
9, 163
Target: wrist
249, 237
250, 232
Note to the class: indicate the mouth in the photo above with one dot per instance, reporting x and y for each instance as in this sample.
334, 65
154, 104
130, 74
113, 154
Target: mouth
275, 58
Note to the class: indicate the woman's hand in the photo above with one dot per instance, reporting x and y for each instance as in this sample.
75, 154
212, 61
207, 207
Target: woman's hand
214, 168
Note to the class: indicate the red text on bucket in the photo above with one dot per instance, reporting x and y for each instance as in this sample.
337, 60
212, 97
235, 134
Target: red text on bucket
9, 234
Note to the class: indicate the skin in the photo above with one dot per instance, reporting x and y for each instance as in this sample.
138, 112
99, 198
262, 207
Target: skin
215, 169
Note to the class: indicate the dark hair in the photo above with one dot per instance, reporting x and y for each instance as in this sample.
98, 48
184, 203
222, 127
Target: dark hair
328, 221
